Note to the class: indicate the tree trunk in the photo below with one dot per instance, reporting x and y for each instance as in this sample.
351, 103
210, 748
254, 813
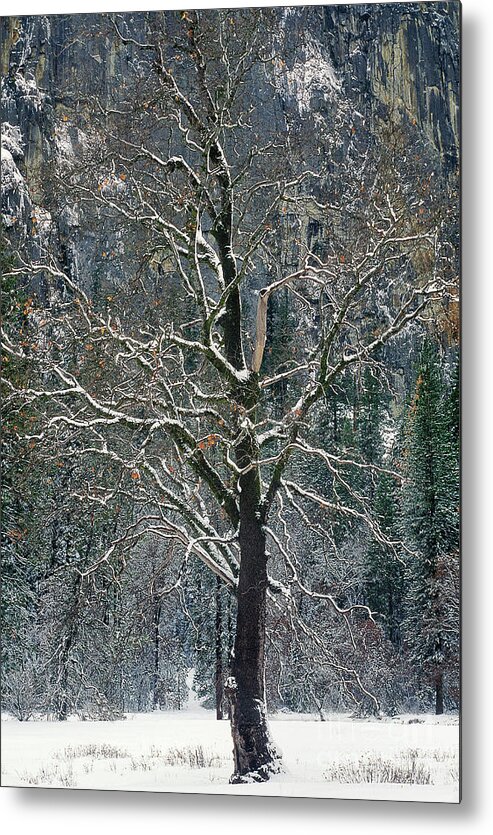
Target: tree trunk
219, 653
62, 700
439, 694
255, 756
156, 617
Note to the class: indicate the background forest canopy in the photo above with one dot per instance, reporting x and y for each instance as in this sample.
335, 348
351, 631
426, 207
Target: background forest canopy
231, 385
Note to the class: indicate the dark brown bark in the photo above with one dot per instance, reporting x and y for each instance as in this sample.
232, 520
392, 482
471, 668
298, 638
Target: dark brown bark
156, 618
62, 700
62, 704
439, 694
255, 756
219, 682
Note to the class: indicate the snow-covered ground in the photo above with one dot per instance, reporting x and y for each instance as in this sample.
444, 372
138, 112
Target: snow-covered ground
190, 751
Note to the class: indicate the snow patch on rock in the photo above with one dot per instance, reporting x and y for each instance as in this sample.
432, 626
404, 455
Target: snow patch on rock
15, 195
12, 140
27, 88
311, 74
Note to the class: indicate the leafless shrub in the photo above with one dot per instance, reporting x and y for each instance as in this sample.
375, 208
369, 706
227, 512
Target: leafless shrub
49, 775
141, 764
98, 709
192, 757
96, 751
21, 692
374, 769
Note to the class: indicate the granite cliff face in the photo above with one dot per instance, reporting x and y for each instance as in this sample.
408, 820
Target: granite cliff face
398, 61
392, 65
402, 62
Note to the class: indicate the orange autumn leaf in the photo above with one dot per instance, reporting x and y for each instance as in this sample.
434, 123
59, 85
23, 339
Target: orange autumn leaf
14, 534
135, 475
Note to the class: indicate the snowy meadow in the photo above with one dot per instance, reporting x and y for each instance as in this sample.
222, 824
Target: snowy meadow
405, 758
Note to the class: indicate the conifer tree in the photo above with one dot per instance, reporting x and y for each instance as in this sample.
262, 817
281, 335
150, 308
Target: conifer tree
384, 574
430, 523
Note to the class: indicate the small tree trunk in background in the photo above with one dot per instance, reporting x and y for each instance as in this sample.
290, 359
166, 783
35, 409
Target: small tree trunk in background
230, 650
319, 705
219, 653
155, 674
61, 702
439, 695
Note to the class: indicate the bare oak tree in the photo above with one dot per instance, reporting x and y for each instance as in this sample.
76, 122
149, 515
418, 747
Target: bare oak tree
168, 391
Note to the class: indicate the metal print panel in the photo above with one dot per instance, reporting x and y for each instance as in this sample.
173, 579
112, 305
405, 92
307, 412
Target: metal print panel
230, 262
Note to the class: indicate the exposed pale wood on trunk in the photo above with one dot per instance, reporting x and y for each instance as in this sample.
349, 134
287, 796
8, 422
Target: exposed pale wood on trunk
261, 322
